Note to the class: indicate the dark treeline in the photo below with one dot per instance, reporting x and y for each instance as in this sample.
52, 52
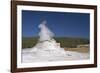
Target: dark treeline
28, 42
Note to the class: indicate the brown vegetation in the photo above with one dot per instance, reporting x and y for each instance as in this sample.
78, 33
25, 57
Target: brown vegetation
82, 50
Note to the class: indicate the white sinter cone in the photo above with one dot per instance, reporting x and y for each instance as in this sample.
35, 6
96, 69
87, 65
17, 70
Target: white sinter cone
46, 45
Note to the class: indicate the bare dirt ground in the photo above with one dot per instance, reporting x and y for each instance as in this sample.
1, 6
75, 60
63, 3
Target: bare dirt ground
81, 50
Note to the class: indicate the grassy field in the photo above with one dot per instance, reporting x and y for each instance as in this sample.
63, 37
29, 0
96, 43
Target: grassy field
28, 42
81, 50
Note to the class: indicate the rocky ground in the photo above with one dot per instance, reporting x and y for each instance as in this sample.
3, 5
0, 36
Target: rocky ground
71, 54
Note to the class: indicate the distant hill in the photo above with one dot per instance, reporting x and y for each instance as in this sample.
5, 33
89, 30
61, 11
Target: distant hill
68, 42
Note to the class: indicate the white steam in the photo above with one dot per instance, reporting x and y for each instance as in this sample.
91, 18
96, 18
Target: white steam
45, 33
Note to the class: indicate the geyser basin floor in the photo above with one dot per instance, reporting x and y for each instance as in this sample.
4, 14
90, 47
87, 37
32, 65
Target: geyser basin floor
28, 56
47, 49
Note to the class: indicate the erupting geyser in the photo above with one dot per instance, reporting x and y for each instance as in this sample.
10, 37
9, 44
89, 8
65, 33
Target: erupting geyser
46, 45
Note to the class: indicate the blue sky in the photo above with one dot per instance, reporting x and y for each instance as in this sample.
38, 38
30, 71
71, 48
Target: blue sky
63, 24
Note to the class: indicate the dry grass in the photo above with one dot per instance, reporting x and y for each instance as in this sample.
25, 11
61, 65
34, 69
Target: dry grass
82, 50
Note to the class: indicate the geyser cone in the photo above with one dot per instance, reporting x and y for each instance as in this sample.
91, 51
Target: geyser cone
46, 45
